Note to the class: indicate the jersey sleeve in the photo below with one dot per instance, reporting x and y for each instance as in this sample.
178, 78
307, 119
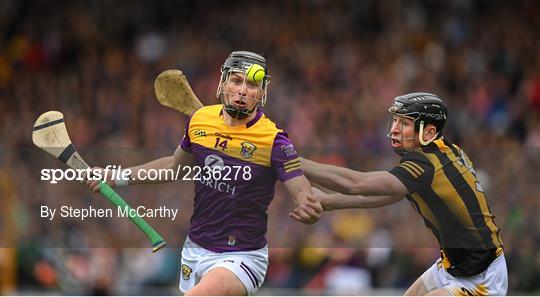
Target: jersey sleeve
284, 158
415, 171
185, 144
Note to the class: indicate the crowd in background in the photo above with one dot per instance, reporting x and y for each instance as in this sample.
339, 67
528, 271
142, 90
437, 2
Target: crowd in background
335, 66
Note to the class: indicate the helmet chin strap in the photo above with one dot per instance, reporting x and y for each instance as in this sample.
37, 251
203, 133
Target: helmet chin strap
238, 113
421, 132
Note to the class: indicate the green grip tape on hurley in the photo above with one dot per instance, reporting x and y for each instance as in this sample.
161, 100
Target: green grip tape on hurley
157, 241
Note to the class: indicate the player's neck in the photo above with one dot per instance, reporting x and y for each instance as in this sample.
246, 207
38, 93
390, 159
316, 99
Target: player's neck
230, 121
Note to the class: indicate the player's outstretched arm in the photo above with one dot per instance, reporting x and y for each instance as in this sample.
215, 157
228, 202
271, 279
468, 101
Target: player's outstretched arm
168, 166
350, 182
308, 208
334, 201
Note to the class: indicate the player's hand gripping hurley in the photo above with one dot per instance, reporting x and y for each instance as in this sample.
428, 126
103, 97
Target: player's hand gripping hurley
50, 134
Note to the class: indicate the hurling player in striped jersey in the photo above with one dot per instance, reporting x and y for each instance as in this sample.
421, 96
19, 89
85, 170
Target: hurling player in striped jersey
439, 180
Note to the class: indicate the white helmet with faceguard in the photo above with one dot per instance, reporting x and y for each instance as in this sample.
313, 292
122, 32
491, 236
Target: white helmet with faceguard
423, 108
239, 62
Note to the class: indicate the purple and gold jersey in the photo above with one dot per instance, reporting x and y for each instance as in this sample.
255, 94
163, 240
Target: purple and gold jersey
230, 208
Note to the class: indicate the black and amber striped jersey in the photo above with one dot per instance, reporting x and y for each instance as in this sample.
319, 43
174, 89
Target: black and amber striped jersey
444, 190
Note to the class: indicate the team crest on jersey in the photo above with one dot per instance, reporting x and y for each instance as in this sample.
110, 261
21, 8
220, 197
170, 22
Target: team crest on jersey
186, 271
247, 149
232, 240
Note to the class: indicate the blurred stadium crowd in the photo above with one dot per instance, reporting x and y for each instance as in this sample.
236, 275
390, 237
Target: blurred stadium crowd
335, 67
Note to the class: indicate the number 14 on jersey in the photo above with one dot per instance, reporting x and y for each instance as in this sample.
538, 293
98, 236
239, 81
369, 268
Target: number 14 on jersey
221, 143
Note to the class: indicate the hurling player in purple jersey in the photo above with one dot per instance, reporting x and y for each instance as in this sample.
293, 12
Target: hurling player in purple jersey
225, 252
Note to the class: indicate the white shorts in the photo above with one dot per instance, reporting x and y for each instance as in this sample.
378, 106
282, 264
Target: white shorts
249, 266
492, 281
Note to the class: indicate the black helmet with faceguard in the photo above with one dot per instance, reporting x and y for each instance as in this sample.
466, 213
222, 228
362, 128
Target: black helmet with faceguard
240, 61
423, 108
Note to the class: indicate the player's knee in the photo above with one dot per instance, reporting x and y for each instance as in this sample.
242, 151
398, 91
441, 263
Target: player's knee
219, 281
222, 289
198, 291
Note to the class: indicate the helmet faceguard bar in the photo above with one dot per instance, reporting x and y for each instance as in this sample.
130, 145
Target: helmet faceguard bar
419, 126
423, 109
227, 97
240, 61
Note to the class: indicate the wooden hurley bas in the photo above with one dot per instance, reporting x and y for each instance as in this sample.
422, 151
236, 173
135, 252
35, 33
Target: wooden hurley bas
50, 134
